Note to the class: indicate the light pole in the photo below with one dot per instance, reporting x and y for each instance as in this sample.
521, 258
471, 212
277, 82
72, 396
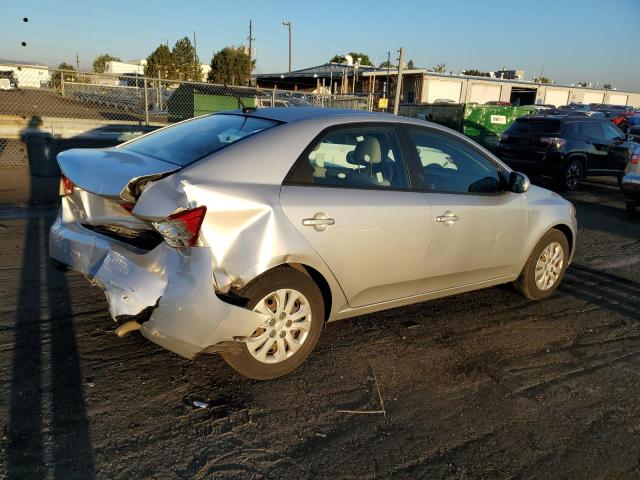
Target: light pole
288, 25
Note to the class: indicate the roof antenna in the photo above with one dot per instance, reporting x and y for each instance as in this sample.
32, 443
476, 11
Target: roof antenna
245, 109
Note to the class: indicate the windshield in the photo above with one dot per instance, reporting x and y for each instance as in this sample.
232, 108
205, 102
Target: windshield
187, 142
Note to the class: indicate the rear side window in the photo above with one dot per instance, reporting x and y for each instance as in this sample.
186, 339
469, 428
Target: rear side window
591, 130
534, 127
187, 142
364, 156
571, 131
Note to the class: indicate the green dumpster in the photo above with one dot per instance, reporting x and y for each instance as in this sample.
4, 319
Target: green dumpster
485, 123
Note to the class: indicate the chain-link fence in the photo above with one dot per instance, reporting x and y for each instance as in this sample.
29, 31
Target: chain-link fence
69, 104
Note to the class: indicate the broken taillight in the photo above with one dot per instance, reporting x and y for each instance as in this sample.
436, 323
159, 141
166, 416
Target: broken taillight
182, 229
66, 186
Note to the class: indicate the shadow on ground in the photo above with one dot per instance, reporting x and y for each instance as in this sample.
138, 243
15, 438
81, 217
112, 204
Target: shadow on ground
46, 400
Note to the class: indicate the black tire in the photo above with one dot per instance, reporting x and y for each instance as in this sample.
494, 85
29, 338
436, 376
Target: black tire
572, 175
241, 360
526, 282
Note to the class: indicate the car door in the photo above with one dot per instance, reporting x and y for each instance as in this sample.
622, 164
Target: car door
477, 228
618, 151
597, 150
349, 196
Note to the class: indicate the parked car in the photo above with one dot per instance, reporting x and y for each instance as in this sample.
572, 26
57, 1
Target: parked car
244, 232
580, 107
565, 147
630, 184
616, 114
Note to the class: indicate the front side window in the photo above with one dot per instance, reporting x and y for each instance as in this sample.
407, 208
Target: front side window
449, 165
353, 157
189, 141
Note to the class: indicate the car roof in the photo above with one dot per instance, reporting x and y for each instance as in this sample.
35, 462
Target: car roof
293, 114
561, 118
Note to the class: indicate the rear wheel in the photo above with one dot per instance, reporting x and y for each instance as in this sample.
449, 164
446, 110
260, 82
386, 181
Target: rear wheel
545, 267
295, 309
572, 175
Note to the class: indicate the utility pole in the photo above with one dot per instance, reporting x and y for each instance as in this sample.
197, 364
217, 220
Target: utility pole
195, 47
388, 67
288, 25
251, 39
77, 62
396, 102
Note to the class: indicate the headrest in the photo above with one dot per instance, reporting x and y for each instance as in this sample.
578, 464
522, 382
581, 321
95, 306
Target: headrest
367, 151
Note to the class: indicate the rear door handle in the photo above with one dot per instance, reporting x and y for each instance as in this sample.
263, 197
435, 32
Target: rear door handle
447, 219
320, 221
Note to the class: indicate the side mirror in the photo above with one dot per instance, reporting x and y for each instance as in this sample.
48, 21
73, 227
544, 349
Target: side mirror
519, 182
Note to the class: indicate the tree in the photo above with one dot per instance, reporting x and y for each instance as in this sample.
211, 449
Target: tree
161, 64
410, 65
186, 61
99, 64
386, 64
542, 80
440, 68
475, 72
67, 74
230, 66
607, 86
364, 58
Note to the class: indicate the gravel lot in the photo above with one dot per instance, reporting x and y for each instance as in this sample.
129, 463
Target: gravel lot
482, 385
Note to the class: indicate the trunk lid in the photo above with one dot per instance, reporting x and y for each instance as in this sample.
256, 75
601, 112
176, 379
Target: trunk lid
112, 172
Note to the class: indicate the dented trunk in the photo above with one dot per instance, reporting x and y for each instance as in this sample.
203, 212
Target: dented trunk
112, 172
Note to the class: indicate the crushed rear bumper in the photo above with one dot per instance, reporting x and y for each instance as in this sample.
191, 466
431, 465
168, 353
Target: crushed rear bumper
177, 284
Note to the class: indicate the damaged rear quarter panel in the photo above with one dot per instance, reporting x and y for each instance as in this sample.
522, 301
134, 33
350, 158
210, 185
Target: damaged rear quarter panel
245, 228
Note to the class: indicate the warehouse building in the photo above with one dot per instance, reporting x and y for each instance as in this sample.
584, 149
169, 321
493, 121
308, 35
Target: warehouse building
422, 86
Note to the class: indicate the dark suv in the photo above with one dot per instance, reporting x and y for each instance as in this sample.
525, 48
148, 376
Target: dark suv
566, 147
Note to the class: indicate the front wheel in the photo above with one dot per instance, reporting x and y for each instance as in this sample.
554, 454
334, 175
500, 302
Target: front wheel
545, 267
295, 309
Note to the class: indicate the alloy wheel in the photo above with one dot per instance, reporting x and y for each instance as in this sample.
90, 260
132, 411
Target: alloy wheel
549, 266
286, 329
573, 175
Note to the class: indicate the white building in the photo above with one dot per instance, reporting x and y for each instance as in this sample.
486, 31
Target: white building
29, 75
136, 67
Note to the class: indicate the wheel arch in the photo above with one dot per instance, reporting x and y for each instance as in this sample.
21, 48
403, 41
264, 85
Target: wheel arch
567, 232
582, 158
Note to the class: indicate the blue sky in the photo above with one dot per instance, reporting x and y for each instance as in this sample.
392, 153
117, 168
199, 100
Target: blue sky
575, 40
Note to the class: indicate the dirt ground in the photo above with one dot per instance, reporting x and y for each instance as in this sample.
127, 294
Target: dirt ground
482, 385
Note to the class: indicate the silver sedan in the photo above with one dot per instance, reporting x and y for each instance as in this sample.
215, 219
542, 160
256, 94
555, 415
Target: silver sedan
243, 232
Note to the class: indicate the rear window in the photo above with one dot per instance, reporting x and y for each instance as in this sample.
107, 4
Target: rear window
187, 142
534, 127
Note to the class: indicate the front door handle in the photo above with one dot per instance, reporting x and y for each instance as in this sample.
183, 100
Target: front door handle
447, 219
320, 221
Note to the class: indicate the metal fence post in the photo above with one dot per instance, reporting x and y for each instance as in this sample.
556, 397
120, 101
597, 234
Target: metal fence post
146, 103
62, 83
273, 97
